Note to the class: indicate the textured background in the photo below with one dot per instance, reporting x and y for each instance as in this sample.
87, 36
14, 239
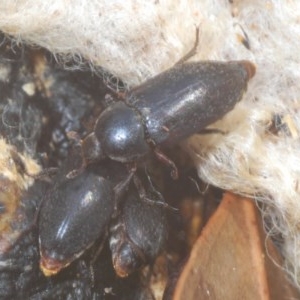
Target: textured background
135, 40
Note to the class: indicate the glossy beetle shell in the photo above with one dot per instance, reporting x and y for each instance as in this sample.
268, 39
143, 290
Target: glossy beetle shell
168, 108
73, 216
186, 98
138, 234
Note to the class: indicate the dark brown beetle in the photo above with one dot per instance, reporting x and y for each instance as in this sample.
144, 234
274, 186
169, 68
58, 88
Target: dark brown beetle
166, 109
139, 232
75, 212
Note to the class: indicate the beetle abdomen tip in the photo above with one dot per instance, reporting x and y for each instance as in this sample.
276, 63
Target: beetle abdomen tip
250, 68
49, 265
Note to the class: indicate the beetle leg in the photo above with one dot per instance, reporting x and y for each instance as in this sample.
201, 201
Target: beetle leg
167, 161
212, 131
192, 51
143, 195
100, 248
74, 173
121, 188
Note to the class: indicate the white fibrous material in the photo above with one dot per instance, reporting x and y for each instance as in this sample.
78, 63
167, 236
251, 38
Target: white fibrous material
131, 39
258, 155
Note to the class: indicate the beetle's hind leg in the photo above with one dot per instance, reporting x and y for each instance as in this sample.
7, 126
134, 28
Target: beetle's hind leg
143, 194
192, 51
121, 188
166, 161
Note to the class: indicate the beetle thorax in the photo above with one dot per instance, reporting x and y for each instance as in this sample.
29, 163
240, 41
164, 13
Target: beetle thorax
120, 132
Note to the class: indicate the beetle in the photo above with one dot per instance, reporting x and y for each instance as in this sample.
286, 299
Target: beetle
164, 110
76, 211
139, 232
